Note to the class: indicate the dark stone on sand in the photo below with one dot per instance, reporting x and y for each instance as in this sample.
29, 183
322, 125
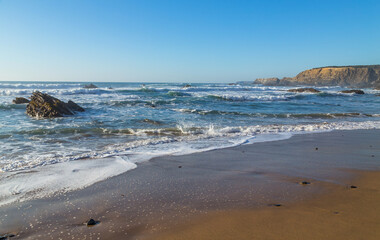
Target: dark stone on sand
372, 155
275, 205
352, 186
43, 105
89, 86
179, 166
309, 90
6, 236
316, 149
356, 91
304, 183
91, 222
20, 100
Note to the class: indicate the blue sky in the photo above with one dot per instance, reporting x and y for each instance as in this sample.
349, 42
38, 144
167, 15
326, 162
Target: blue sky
182, 41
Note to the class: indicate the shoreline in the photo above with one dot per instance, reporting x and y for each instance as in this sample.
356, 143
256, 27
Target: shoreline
173, 189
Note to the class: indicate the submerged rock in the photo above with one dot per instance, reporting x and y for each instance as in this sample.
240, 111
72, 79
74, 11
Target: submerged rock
310, 90
43, 105
90, 86
356, 91
20, 100
186, 86
146, 120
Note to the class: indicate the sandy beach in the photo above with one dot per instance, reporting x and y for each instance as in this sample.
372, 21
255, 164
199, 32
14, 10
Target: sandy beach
189, 120
252, 191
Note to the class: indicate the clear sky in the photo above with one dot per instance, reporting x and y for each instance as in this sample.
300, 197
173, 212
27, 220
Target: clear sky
182, 41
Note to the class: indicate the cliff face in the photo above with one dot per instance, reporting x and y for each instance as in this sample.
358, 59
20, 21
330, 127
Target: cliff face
348, 76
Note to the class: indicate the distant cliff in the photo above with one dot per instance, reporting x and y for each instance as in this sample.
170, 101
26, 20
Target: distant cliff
346, 76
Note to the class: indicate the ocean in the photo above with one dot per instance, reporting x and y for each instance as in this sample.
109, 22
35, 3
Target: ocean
128, 123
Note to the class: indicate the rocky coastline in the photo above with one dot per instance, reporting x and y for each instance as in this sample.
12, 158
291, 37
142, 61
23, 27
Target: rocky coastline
360, 76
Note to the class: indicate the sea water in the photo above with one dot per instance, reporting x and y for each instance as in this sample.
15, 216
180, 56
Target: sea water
127, 123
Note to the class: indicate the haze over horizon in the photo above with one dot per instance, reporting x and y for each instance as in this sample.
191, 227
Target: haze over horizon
182, 41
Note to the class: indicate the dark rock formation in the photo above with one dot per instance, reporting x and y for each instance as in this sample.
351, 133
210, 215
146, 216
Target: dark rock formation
268, 81
146, 120
310, 90
20, 100
186, 86
74, 107
353, 91
92, 222
367, 76
286, 81
90, 86
43, 105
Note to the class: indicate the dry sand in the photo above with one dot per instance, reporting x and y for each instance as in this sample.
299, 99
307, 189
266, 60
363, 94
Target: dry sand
224, 194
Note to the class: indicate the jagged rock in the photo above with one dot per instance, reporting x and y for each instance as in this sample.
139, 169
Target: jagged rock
20, 100
310, 90
353, 91
186, 86
43, 105
90, 86
75, 107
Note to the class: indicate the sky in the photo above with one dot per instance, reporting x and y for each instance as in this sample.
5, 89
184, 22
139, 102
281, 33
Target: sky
182, 41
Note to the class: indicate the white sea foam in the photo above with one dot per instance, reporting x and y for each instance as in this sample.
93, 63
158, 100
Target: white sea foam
49, 180
80, 171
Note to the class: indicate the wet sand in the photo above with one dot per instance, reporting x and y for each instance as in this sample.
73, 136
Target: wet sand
344, 213
223, 194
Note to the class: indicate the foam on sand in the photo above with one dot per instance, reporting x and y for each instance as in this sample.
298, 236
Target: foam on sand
57, 178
